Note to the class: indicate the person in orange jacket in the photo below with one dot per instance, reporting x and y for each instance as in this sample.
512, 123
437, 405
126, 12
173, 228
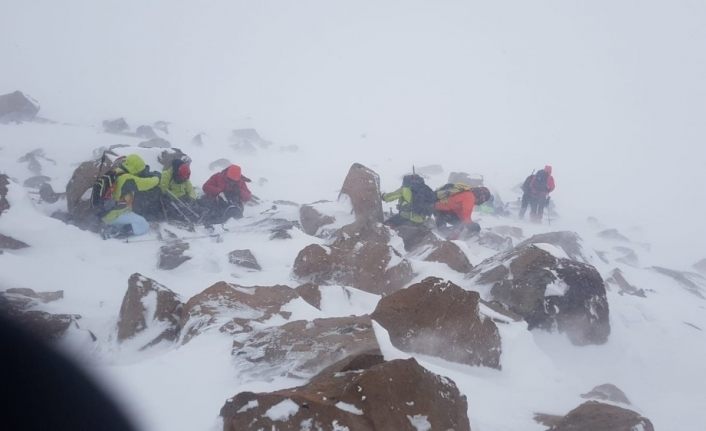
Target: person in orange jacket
453, 213
225, 193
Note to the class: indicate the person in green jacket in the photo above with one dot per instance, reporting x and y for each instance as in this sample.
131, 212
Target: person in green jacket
121, 220
415, 201
178, 193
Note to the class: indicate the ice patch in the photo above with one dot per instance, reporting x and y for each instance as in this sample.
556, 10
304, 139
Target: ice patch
282, 411
350, 408
419, 422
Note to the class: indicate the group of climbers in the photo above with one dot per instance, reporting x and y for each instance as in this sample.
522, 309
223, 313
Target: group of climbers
452, 204
129, 195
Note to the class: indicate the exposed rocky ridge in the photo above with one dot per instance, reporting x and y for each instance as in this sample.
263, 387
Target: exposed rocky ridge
17, 107
420, 241
22, 306
593, 415
438, 318
362, 393
549, 292
362, 185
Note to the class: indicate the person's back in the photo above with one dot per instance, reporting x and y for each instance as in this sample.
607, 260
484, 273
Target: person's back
415, 201
175, 181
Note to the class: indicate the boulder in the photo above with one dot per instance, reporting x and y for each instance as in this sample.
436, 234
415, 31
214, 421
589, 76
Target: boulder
362, 393
423, 243
151, 308
21, 308
155, 143
625, 288
549, 292
9, 243
119, 125
246, 140
607, 392
494, 241
244, 259
699, 266
362, 185
359, 256
172, 255
570, 242
4, 182
593, 415
146, 132
32, 160
17, 107
438, 318
47, 193
231, 308
303, 348
449, 253
162, 126
310, 293
311, 219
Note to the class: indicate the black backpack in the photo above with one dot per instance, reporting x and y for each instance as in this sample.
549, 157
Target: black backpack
423, 197
540, 181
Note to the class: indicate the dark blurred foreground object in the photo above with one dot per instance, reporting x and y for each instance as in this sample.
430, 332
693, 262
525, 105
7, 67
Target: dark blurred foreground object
42, 390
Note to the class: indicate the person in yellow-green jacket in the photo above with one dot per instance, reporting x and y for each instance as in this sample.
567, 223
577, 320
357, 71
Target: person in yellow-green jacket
178, 193
415, 201
129, 179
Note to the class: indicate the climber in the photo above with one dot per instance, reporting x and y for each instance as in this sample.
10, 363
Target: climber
536, 189
225, 193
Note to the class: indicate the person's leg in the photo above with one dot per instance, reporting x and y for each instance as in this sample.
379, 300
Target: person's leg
525, 203
139, 225
534, 210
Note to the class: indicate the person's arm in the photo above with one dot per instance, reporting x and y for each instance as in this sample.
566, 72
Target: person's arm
190, 191
245, 193
550, 184
213, 186
165, 180
403, 193
467, 204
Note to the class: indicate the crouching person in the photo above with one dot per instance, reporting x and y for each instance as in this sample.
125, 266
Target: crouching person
178, 193
114, 196
454, 208
225, 194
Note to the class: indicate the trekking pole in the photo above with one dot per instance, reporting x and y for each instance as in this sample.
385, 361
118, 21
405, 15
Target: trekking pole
182, 204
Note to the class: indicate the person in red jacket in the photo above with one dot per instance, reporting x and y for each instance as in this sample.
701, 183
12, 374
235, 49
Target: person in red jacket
225, 193
453, 214
536, 189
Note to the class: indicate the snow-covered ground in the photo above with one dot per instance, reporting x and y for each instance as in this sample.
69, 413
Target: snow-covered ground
496, 88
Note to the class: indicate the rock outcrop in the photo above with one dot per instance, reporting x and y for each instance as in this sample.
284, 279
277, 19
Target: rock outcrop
593, 415
625, 288
423, 243
172, 255
9, 243
438, 318
303, 348
607, 392
17, 107
549, 292
244, 259
312, 220
570, 242
360, 393
151, 308
362, 185
20, 305
359, 256
118, 125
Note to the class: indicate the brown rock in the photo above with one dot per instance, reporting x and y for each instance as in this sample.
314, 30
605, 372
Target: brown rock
439, 318
223, 302
119, 125
47, 193
303, 348
148, 304
549, 292
310, 293
593, 416
16, 107
244, 259
423, 242
570, 242
607, 392
359, 256
311, 219
494, 241
362, 185
21, 309
10, 243
172, 255
4, 204
361, 394
451, 254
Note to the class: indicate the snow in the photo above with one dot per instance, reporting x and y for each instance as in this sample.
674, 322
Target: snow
552, 249
282, 410
419, 422
350, 408
593, 90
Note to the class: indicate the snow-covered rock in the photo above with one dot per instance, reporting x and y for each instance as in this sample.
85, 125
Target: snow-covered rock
118, 125
438, 318
24, 307
421, 242
607, 392
173, 254
17, 107
360, 393
362, 185
311, 219
244, 259
594, 415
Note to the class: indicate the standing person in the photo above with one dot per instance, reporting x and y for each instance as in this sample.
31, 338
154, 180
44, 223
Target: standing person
454, 207
225, 194
415, 201
536, 189
114, 196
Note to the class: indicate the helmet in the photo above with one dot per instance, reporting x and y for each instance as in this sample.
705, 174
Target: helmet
133, 164
184, 172
233, 172
482, 195
548, 169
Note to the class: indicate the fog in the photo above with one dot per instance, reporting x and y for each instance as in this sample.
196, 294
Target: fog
611, 93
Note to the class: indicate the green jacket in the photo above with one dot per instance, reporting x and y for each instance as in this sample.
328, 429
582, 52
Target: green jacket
403, 196
179, 190
127, 184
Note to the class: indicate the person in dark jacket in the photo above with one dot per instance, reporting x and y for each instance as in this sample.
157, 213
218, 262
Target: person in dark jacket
225, 194
536, 189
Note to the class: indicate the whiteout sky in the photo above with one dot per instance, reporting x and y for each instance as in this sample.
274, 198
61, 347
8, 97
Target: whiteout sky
612, 93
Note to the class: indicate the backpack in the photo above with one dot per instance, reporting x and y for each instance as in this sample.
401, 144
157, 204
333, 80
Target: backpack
423, 197
540, 181
102, 192
527, 183
450, 189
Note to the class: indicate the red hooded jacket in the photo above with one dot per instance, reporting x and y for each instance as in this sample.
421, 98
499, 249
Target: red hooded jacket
220, 183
